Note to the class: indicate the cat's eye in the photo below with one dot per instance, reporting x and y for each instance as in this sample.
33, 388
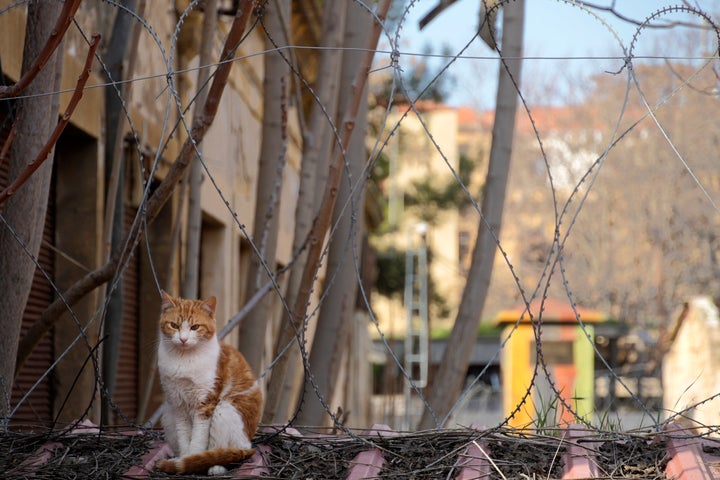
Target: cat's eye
195, 327
174, 325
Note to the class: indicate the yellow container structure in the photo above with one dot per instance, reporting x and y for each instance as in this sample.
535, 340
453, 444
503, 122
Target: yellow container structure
568, 352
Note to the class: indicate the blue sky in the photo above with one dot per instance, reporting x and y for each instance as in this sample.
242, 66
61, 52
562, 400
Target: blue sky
553, 28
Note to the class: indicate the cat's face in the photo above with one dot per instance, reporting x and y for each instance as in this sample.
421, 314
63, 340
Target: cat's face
187, 323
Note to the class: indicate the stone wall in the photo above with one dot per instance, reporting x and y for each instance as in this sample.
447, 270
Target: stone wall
691, 367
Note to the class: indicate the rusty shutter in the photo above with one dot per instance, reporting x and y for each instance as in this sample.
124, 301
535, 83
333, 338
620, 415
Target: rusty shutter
36, 410
126, 386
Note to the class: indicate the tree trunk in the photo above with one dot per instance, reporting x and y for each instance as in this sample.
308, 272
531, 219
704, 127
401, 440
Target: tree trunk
24, 212
330, 345
158, 198
114, 228
317, 144
323, 219
191, 280
253, 330
448, 380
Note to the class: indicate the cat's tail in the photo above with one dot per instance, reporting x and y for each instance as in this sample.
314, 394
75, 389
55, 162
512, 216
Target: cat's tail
201, 462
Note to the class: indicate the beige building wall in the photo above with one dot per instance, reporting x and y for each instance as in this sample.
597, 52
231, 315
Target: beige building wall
691, 367
231, 150
421, 149
88, 113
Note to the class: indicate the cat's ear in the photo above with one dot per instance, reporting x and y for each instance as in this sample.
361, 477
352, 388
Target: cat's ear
167, 300
209, 306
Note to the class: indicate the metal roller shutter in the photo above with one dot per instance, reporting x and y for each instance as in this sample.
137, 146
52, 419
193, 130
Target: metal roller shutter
126, 387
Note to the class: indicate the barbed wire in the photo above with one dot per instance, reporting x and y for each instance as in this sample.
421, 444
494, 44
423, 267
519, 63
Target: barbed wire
566, 214
390, 53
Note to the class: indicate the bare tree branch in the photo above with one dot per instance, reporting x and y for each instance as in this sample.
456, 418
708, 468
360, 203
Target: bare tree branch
50, 144
156, 201
318, 140
191, 280
58, 33
327, 205
612, 10
447, 382
9, 140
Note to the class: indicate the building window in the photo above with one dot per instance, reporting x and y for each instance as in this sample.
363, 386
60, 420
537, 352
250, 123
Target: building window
464, 252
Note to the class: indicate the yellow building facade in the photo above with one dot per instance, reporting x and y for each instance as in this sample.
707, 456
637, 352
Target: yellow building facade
231, 151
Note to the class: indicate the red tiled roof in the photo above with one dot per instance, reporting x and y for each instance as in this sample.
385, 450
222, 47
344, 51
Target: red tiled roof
553, 310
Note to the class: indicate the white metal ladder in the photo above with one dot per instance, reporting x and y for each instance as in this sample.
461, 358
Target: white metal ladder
416, 334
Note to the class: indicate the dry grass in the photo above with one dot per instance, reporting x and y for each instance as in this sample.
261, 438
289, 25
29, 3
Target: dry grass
421, 455
633, 458
70, 456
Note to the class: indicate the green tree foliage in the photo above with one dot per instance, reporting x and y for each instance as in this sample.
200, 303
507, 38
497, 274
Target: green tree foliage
391, 272
430, 199
420, 79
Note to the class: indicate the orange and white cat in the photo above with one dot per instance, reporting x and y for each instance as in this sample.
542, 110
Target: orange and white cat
213, 400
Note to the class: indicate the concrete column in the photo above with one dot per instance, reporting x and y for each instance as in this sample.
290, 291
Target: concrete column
79, 191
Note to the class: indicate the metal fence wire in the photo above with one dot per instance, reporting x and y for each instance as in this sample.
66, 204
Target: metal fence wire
606, 264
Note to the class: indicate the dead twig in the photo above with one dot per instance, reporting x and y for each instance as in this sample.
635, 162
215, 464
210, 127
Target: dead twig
63, 22
50, 144
9, 140
155, 202
322, 220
